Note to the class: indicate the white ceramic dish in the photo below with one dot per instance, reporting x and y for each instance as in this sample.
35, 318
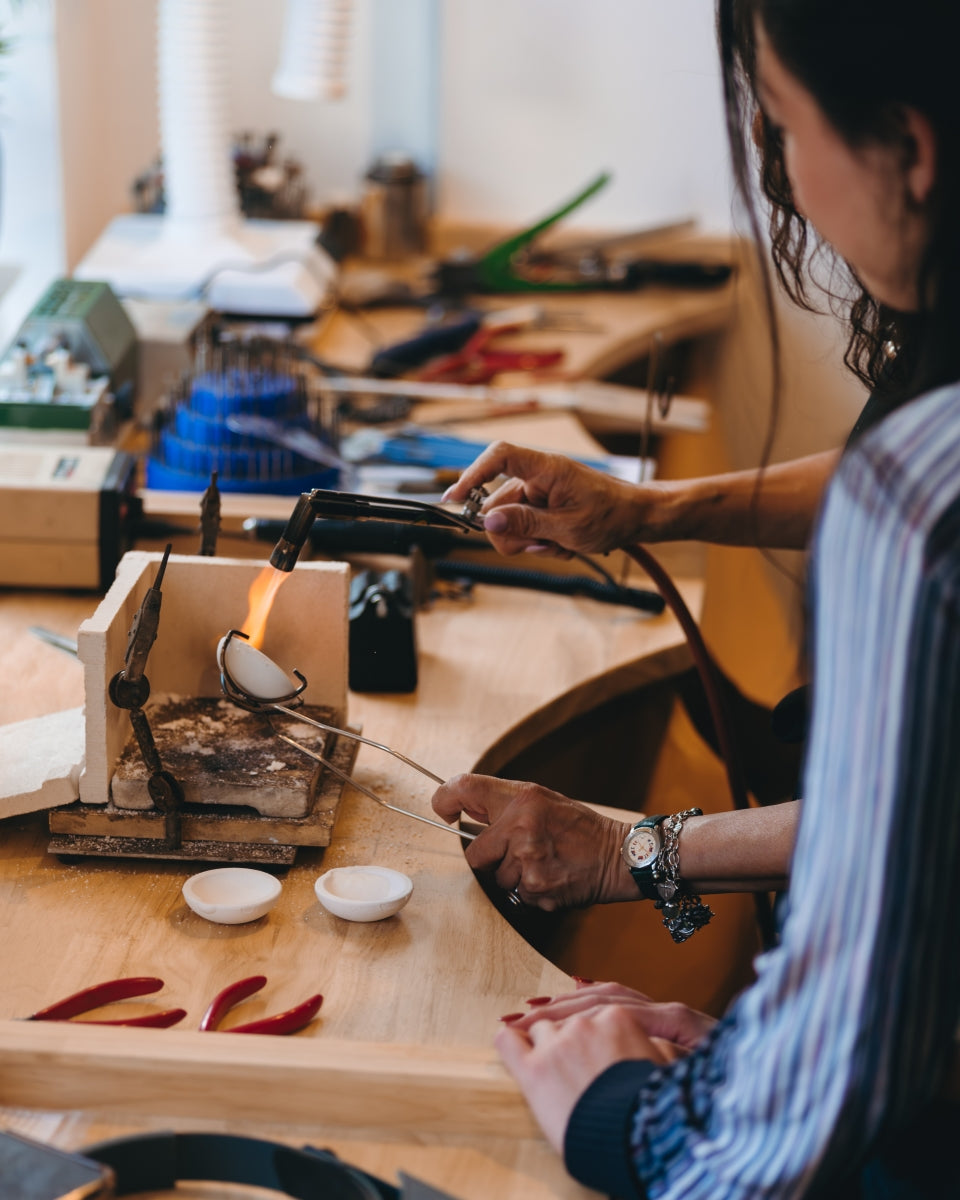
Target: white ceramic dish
363, 893
253, 672
231, 895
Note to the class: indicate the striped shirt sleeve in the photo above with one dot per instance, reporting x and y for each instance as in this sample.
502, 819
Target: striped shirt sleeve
847, 1029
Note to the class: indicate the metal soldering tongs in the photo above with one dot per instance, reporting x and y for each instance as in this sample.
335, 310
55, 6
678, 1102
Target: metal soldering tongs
239, 658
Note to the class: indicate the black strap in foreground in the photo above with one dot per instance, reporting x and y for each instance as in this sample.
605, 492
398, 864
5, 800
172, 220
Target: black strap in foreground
153, 1161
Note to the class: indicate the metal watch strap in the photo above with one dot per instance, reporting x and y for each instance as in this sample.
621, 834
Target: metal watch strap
683, 913
643, 876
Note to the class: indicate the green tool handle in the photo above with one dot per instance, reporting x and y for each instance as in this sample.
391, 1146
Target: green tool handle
495, 268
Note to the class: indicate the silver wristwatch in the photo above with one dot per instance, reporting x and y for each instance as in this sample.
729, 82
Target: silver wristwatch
640, 851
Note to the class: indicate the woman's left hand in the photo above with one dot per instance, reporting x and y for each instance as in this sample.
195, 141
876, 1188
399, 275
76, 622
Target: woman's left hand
674, 1027
554, 1062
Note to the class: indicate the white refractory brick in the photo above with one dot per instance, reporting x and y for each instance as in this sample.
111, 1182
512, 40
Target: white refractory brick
222, 755
40, 762
203, 598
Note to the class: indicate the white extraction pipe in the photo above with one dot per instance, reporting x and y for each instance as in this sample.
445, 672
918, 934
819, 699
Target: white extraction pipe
192, 65
313, 56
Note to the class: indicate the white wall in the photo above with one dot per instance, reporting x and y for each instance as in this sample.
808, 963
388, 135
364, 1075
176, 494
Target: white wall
540, 96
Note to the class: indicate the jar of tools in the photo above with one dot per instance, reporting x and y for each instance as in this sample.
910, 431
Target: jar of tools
394, 208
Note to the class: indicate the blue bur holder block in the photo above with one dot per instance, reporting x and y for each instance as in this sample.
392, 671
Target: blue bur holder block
197, 439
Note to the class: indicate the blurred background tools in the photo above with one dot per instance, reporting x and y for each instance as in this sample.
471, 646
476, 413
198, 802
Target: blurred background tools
513, 265
269, 186
477, 361
525, 262
247, 411
383, 638
72, 363
599, 404
394, 208
469, 334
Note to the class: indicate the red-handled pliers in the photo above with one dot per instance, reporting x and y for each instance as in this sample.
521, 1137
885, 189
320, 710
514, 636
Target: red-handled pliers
290, 1021
475, 362
108, 993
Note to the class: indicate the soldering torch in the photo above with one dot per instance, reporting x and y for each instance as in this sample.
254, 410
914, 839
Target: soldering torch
321, 503
401, 512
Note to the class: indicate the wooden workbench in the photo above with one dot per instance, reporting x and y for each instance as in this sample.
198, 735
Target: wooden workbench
398, 1072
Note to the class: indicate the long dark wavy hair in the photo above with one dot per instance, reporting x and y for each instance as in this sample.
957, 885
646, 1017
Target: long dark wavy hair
865, 62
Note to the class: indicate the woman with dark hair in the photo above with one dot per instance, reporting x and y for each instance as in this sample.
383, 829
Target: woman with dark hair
831, 1074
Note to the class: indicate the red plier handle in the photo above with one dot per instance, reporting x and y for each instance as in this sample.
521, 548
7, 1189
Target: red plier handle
113, 990
476, 363
109, 993
290, 1021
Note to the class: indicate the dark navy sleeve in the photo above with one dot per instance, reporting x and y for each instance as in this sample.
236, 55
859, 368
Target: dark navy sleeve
596, 1146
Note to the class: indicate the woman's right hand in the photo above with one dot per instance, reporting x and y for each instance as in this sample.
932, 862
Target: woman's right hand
551, 501
553, 851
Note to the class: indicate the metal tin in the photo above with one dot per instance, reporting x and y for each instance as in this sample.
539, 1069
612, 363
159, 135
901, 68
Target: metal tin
394, 208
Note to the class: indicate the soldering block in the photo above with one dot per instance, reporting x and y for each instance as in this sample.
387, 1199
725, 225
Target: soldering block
202, 599
222, 755
40, 761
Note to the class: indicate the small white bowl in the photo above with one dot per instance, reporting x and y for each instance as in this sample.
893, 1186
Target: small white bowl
231, 895
363, 893
253, 672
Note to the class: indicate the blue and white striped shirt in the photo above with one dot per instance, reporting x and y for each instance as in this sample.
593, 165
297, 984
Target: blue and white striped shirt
841, 1042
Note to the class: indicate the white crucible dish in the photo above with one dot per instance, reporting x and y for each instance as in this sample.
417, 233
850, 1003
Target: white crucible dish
363, 893
253, 672
231, 895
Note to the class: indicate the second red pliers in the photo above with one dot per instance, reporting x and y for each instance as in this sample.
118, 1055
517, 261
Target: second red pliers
290, 1021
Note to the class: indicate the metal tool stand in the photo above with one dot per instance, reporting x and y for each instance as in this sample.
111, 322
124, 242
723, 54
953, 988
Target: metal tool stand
130, 689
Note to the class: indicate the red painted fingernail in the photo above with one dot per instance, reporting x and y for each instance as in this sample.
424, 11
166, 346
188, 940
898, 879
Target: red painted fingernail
581, 982
511, 1017
539, 1000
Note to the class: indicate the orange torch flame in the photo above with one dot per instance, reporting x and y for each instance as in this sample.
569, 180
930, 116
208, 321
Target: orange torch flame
260, 598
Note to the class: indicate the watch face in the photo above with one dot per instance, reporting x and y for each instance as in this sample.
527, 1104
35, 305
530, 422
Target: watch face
641, 847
